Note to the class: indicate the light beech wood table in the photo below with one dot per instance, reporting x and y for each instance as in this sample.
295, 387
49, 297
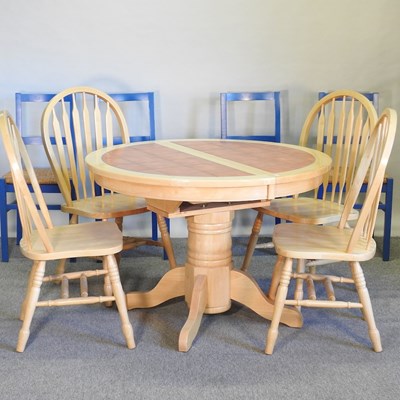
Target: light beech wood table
205, 181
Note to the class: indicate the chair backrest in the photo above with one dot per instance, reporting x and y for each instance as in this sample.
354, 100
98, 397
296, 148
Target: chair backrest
29, 108
94, 121
136, 106
372, 167
339, 125
21, 102
373, 97
271, 109
34, 214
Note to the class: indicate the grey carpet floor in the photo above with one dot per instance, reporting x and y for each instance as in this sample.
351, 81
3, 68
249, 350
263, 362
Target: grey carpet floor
79, 352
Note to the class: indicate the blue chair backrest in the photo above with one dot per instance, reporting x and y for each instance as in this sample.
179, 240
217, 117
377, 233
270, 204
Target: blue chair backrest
20, 99
373, 97
145, 103
20, 111
268, 96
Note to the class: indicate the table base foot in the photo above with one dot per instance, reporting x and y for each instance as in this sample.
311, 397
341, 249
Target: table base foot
171, 285
245, 290
196, 311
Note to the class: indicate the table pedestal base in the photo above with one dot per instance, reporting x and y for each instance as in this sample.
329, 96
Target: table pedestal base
208, 281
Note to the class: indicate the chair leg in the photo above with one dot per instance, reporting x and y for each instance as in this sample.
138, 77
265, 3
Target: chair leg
166, 239
154, 228
387, 229
359, 281
18, 228
276, 276
4, 223
33, 293
60, 269
120, 300
252, 241
108, 291
28, 288
298, 291
279, 304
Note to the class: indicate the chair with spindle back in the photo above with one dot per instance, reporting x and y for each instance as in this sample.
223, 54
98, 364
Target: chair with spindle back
386, 202
338, 243
94, 121
340, 129
42, 241
269, 102
26, 104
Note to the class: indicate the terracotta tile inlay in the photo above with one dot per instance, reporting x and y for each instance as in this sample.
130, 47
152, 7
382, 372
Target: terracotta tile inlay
153, 158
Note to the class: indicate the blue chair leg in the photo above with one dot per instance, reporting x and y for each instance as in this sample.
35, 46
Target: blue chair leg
4, 224
19, 228
388, 219
154, 226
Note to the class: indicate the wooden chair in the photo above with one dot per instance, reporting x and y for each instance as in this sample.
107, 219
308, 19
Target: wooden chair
42, 242
139, 111
26, 103
338, 243
96, 121
270, 99
341, 129
386, 202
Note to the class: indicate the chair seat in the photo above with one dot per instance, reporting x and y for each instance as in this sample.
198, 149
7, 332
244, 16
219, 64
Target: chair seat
45, 176
306, 210
319, 242
109, 206
79, 240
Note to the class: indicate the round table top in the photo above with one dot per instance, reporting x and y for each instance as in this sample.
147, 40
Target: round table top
200, 170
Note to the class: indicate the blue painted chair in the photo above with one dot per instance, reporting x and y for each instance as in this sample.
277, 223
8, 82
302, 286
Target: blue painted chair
386, 203
45, 176
145, 105
272, 107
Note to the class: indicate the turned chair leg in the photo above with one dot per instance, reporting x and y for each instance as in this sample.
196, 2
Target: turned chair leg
252, 241
361, 287
276, 276
29, 307
120, 300
28, 288
279, 304
107, 287
166, 240
298, 291
61, 263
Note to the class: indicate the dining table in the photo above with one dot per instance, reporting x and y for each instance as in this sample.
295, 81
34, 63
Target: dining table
206, 181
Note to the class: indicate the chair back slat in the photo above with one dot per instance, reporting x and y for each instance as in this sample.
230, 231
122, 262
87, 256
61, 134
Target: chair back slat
372, 167
31, 206
97, 121
77, 149
339, 124
109, 127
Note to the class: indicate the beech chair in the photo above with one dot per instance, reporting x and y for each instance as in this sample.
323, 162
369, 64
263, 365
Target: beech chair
271, 108
386, 202
341, 129
42, 242
94, 121
338, 243
26, 103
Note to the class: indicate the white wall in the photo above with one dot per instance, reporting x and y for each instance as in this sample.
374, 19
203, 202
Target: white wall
189, 51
